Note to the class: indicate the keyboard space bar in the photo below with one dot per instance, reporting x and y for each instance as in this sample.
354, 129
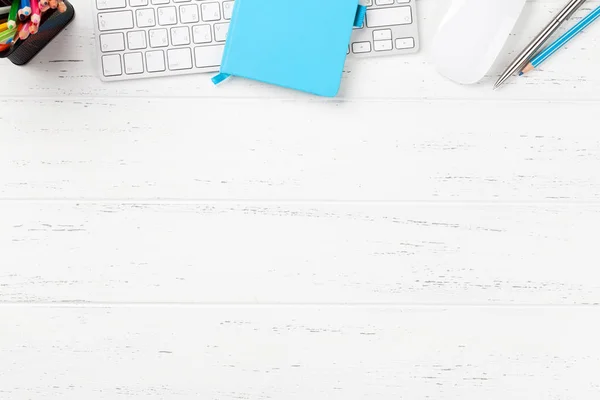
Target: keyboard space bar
208, 56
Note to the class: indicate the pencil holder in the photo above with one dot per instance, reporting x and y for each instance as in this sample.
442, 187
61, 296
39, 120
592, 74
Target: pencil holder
51, 24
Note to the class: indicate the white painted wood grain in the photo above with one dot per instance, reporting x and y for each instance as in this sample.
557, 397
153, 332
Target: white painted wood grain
299, 253
259, 150
410, 239
66, 68
299, 353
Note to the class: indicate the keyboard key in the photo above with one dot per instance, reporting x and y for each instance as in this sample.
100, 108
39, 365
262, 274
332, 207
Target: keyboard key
160, 2
158, 38
180, 36
112, 42
208, 56
134, 63
155, 61
136, 40
210, 11
109, 4
145, 17
138, 3
227, 9
389, 16
382, 34
111, 65
167, 16
179, 59
405, 43
202, 34
361, 47
188, 14
221, 32
112, 21
383, 45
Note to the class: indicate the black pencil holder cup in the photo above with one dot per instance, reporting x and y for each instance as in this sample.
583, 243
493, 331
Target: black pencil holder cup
51, 24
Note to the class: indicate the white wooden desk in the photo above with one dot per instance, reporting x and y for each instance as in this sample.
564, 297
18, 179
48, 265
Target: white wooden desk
411, 239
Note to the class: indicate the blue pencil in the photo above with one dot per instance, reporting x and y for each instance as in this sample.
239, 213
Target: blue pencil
24, 10
561, 41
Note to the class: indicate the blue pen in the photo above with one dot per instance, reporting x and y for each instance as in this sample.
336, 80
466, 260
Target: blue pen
561, 41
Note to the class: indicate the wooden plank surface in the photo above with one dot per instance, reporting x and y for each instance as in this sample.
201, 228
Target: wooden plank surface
299, 253
299, 353
410, 239
401, 151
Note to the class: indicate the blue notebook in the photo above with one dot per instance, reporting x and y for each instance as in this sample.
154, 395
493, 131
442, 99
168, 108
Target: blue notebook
297, 44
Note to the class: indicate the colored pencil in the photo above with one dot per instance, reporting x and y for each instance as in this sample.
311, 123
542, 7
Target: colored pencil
561, 41
10, 36
3, 26
62, 7
4, 10
24, 10
12, 15
24, 31
34, 26
538, 42
7, 34
26, 7
19, 27
35, 12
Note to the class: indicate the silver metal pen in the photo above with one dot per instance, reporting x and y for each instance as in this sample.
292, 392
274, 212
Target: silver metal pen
519, 63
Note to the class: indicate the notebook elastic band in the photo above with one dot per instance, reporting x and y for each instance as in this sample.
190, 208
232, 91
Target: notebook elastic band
219, 78
360, 16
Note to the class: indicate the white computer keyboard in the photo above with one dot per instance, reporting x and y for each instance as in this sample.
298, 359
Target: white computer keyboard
150, 38
391, 28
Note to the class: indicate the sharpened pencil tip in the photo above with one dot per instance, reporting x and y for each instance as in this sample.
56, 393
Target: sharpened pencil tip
521, 73
528, 67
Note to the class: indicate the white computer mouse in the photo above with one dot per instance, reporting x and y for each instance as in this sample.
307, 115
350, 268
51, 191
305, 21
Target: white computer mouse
471, 36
